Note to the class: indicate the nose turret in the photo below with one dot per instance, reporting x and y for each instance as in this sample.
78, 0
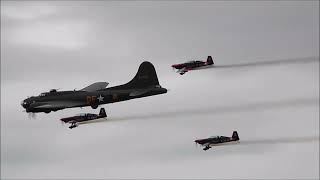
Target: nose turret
25, 104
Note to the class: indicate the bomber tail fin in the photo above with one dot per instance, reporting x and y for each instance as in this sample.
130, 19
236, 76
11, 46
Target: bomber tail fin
102, 113
209, 60
235, 135
146, 76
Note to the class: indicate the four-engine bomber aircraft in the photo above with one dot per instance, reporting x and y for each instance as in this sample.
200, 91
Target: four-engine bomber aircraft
84, 118
191, 65
145, 83
215, 140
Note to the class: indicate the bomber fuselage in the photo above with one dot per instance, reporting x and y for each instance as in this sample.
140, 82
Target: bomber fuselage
46, 102
145, 83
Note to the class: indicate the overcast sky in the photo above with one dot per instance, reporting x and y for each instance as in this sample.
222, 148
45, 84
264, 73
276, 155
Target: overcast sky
266, 86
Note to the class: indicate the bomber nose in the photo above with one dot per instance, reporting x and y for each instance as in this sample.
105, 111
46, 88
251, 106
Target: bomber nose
24, 104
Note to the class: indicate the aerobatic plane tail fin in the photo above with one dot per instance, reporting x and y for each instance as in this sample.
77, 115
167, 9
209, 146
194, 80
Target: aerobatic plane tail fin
235, 135
210, 60
102, 112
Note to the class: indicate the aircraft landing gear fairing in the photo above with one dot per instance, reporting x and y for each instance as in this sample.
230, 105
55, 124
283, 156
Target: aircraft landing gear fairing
73, 125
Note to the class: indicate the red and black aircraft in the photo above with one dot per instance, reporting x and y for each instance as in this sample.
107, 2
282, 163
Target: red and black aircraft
84, 117
216, 140
191, 65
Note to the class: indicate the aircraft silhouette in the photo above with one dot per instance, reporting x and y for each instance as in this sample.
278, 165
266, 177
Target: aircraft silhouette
217, 140
84, 118
192, 65
145, 83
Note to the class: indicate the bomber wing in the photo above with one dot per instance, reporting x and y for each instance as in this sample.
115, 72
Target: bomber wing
95, 86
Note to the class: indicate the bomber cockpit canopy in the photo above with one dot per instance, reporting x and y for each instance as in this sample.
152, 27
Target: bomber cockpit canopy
43, 94
53, 91
47, 93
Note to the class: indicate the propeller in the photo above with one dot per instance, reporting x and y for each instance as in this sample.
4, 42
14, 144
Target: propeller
31, 115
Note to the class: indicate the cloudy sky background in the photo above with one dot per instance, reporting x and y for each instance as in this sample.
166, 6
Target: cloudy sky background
266, 86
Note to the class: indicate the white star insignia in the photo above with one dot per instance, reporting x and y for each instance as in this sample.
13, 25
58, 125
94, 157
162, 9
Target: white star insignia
100, 98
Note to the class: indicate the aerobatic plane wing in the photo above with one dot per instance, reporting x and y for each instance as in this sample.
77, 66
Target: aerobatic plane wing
205, 144
183, 70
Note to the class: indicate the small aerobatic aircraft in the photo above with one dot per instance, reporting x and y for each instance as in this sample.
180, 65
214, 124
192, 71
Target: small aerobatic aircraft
217, 140
145, 83
191, 65
84, 118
